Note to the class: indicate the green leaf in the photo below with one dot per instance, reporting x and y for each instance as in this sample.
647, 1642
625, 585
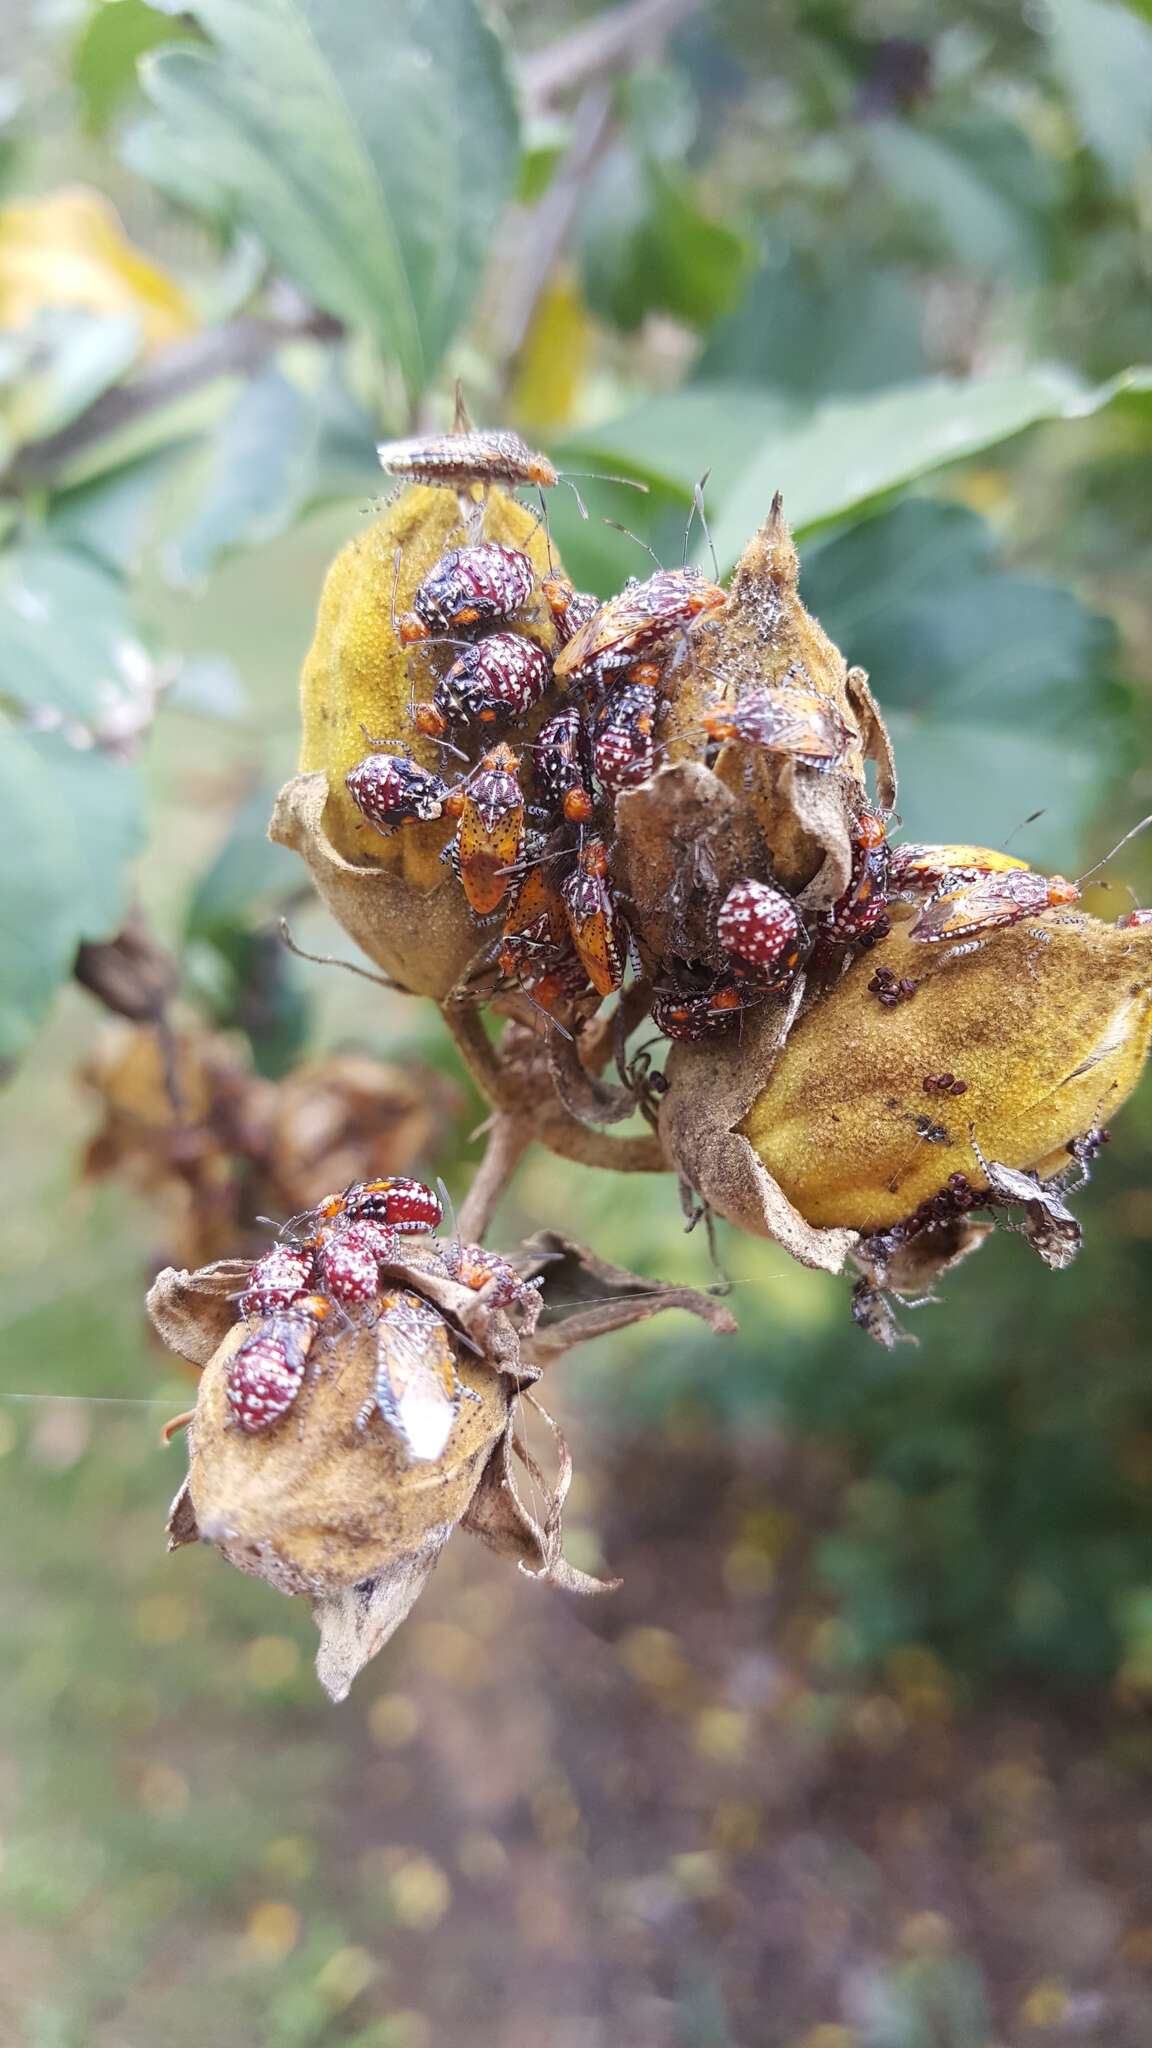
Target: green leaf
56, 366
114, 36
672, 439
648, 248
69, 650
250, 878
988, 191
997, 686
810, 331
852, 450
370, 148
74, 821
113, 517
1103, 54
263, 465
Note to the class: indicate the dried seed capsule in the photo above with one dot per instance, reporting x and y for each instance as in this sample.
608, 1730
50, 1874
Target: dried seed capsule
390, 790
346, 1266
417, 1389
594, 918
480, 585
643, 618
624, 747
266, 1373
558, 766
277, 1279
497, 681
760, 927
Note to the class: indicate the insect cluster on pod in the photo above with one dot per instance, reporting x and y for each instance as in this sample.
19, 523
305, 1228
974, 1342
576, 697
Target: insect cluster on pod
551, 710
324, 1272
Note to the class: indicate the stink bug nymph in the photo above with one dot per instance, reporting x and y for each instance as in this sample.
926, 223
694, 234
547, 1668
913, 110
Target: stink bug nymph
480, 585
265, 1374
760, 928
497, 681
391, 790
594, 918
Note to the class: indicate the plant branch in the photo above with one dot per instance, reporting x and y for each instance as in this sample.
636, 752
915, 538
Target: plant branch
626, 35
550, 224
508, 1139
236, 349
527, 1099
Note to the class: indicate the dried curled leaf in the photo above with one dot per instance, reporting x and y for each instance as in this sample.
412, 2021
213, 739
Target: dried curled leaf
501, 1518
195, 1313
712, 1088
422, 936
1046, 1026
593, 1298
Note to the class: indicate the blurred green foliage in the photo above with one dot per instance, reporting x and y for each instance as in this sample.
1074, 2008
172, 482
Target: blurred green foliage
889, 259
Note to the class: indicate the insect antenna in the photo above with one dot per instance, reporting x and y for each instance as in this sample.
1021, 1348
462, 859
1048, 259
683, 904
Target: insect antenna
629, 535
1024, 822
1105, 858
330, 960
698, 512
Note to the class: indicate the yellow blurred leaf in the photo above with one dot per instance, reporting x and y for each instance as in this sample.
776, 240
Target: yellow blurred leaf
554, 359
69, 249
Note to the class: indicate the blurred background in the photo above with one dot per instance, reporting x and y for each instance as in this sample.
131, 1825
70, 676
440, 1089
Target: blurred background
860, 1755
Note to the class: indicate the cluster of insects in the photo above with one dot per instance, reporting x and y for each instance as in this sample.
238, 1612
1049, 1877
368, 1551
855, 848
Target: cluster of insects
529, 790
323, 1273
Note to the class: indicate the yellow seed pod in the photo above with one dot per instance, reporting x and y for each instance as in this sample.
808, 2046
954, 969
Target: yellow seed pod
359, 679
393, 894
1047, 1025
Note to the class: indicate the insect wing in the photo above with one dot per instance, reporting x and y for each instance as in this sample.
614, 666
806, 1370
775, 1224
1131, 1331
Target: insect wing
925, 867
981, 906
795, 721
417, 1390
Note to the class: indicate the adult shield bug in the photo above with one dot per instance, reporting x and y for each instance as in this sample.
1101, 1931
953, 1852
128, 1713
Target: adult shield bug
391, 790
416, 1389
919, 870
623, 743
642, 619
594, 919
266, 1373
490, 836
479, 585
496, 681
965, 908
558, 766
760, 927
784, 720
277, 1279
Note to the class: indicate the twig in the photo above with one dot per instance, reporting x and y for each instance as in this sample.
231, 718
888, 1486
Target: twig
529, 1100
548, 227
626, 35
508, 1140
236, 349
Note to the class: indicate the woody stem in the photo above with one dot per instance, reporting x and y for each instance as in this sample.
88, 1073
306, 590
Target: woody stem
508, 1139
548, 1122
